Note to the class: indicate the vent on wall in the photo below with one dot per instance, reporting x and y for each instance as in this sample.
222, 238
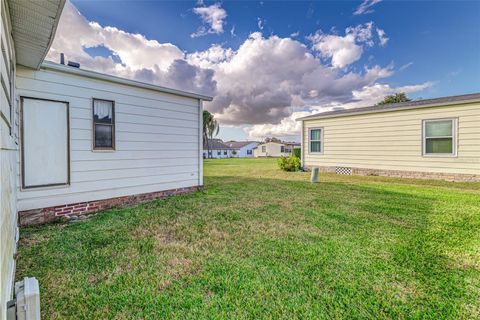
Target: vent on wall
343, 170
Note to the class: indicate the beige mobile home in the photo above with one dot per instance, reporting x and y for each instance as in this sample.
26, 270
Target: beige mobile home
433, 138
75, 141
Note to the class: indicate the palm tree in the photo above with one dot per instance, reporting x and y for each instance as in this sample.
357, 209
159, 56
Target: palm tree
210, 129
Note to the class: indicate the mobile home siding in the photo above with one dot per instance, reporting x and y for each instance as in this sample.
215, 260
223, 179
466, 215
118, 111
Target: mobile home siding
158, 141
393, 141
8, 158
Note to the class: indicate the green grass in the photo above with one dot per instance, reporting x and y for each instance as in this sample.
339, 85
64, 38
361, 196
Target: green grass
261, 243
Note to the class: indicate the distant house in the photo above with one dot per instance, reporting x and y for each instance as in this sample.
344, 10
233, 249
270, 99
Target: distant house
244, 149
275, 149
432, 138
216, 148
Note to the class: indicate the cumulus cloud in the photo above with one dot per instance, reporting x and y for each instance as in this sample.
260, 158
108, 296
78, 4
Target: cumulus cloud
140, 58
262, 86
265, 77
213, 19
366, 7
344, 50
366, 96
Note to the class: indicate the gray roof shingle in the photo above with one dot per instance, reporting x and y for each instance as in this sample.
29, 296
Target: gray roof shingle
437, 102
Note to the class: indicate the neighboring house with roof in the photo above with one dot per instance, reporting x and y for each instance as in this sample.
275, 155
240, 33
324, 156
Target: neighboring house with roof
216, 148
75, 141
274, 149
432, 138
243, 149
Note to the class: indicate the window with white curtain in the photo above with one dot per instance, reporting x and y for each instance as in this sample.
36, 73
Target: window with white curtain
315, 140
103, 124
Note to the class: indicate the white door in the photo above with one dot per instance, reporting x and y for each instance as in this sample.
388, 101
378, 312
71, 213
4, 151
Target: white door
45, 143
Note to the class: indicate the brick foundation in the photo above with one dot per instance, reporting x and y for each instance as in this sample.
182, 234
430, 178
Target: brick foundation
50, 214
409, 174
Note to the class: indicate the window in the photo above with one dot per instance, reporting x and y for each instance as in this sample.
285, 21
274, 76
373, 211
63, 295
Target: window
264, 148
225, 152
439, 137
316, 137
249, 151
282, 149
219, 153
103, 124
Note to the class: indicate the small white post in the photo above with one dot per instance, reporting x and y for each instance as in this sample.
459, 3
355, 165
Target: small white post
314, 176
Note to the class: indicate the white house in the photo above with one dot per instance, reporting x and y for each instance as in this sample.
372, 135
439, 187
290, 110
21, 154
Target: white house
274, 149
75, 141
243, 149
216, 148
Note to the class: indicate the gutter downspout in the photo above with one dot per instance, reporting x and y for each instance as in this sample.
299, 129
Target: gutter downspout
302, 149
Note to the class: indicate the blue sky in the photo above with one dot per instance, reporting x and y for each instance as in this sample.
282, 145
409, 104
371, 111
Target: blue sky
434, 46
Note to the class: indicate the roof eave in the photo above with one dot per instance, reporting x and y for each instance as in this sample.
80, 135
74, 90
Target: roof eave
52, 34
48, 65
358, 111
31, 60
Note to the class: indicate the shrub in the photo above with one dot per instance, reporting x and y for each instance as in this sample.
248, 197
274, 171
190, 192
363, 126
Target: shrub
291, 163
297, 152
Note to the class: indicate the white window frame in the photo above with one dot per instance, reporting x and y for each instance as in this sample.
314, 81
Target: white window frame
454, 138
322, 145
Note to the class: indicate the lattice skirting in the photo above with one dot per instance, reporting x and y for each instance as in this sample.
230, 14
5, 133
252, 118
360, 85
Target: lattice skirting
343, 170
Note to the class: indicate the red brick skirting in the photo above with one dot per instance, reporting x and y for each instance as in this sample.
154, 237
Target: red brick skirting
50, 214
456, 177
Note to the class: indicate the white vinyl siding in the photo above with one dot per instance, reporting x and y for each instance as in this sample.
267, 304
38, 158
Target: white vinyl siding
157, 139
393, 140
8, 159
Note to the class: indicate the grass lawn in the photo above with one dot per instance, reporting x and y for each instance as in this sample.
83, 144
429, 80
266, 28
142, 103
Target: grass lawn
261, 243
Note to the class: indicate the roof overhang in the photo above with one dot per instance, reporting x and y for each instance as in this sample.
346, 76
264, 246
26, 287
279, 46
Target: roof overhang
48, 65
417, 104
34, 24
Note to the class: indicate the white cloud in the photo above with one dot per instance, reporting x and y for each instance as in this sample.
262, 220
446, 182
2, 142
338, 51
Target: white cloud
260, 23
213, 18
266, 77
382, 37
362, 33
232, 31
295, 34
405, 66
366, 96
366, 7
343, 50
141, 59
